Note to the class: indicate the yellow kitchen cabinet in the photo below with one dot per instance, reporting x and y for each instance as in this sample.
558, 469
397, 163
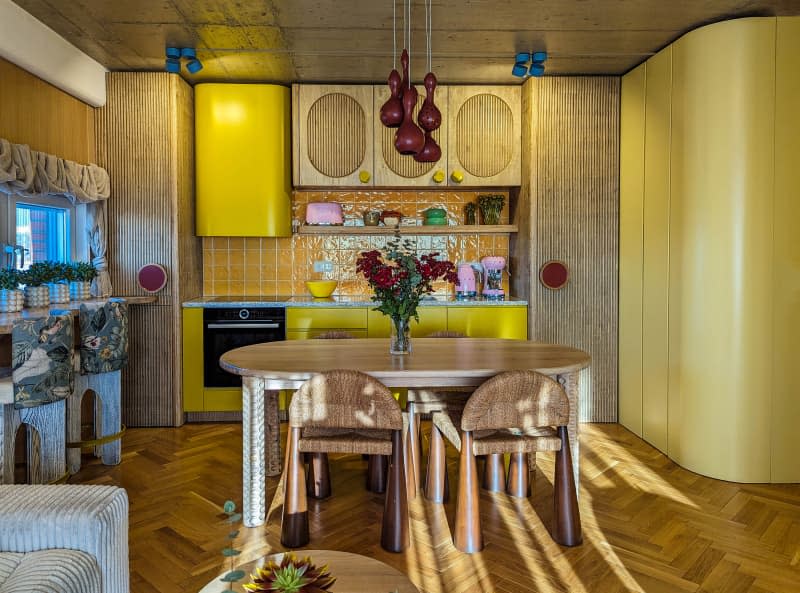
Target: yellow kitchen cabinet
484, 136
322, 319
308, 334
242, 160
333, 135
393, 169
508, 322
431, 319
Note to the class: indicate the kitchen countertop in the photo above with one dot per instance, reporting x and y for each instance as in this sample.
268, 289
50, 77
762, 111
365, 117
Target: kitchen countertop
338, 301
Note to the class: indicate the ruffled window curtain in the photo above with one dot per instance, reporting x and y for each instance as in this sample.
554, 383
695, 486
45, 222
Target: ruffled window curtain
27, 172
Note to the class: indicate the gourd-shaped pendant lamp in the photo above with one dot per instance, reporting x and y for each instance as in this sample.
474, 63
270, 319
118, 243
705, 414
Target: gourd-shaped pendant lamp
429, 118
392, 110
409, 139
431, 152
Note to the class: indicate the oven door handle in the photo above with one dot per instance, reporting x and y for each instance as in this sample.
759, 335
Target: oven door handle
243, 325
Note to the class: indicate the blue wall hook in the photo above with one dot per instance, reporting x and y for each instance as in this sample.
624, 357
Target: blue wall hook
194, 66
173, 53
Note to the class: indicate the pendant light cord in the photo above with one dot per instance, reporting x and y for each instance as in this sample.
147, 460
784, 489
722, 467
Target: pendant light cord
394, 33
429, 29
408, 26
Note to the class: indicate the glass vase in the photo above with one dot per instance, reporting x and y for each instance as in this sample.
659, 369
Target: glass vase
400, 342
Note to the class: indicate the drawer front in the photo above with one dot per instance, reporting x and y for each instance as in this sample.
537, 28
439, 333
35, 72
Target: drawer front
300, 334
431, 319
306, 318
489, 322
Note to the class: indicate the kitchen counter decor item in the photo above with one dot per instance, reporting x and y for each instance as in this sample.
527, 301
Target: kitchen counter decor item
391, 217
321, 289
400, 279
320, 213
58, 287
80, 276
372, 218
493, 266
469, 213
11, 298
435, 216
491, 205
35, 279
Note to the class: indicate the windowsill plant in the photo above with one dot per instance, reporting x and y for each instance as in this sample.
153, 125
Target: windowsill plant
12, 298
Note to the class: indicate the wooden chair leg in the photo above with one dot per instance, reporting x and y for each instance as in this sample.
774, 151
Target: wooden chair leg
413, 469
468, 536
567, 529
319, 476
436, 489
519, 484
494, 473
377, 470
394, 531
294, 524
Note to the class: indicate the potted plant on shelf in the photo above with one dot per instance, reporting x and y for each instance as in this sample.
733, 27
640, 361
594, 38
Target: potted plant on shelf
80, 276
11, 298
35, 278
491, 205
59, 289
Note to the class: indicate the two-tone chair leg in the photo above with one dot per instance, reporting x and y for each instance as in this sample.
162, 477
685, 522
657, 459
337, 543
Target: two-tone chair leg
518, 476
567, 529
294, 523
413, 439
377, 470
319, 476
394, 531
494, 473
468, 536
436, 482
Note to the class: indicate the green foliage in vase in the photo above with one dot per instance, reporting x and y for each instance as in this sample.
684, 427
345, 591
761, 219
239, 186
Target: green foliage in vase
9, 279
292, 575
37, 274
491, 205
232, 576
81, 272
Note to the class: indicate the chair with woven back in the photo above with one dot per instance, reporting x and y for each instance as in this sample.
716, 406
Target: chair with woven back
34, 395
344, 411
519, 413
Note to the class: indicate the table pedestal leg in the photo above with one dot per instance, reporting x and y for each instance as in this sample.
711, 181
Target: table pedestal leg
253, 451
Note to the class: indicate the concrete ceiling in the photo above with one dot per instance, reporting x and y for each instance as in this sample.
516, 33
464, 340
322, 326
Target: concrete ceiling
474, 41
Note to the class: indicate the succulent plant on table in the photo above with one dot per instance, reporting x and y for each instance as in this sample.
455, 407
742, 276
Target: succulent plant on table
37, 274
291, 575
9, 279
83, 272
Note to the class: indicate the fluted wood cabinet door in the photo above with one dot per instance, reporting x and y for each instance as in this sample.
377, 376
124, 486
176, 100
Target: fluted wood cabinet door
393, 169
333, 135
484, 136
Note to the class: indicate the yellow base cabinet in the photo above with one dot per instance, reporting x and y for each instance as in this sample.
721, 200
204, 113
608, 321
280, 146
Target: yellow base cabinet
489, 322
431, 319
193, 360
321, 319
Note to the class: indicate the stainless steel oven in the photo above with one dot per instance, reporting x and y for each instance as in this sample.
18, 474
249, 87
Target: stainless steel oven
227, 328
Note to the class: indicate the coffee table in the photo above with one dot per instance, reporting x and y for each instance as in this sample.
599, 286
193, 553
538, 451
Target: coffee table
354, 573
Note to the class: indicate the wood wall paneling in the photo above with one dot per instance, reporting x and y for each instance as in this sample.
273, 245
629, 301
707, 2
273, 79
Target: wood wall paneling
574, 198
36, 113
631, 204
145, 141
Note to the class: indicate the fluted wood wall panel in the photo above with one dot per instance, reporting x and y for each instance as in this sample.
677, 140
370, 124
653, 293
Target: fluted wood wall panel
145, 140
47, 119
569, 210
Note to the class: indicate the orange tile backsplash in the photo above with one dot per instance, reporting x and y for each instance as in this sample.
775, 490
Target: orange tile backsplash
235, 266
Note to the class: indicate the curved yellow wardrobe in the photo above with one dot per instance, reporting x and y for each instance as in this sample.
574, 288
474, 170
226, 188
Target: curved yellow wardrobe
243, 160
719, 393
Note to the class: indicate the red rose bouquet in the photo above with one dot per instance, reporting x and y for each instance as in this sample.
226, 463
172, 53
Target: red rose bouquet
400, 279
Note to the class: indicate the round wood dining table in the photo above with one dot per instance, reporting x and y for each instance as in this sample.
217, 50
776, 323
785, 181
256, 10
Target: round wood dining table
434, 363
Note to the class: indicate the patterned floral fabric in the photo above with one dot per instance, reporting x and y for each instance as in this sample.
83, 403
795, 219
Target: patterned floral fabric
41, 351
104, 337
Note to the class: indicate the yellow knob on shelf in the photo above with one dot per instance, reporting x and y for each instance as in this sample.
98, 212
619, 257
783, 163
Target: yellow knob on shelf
438, 177
457, 176
364, 176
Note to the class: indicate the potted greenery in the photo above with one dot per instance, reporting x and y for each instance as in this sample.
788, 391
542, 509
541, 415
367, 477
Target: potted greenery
80, 276
11, 298
35, 279
59, 289
491, 205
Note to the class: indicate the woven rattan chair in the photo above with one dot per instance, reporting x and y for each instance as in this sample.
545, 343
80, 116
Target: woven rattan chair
516, 412
102, 355
344, 411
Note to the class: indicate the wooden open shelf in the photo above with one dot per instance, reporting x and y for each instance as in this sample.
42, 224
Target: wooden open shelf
482, 229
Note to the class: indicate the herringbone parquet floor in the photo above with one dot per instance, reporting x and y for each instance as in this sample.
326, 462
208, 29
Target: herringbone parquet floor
649, 525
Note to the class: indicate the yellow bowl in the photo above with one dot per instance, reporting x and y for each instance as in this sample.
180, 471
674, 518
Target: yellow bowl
321, 288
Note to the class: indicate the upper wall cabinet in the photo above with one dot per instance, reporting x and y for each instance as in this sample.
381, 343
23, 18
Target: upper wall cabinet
393, 169
333, 135
340, 141
484, 135
242, 140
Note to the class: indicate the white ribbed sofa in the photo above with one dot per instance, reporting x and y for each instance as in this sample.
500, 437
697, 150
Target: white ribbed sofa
63, 539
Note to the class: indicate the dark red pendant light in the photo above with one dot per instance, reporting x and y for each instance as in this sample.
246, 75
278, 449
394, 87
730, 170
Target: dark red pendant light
392, 110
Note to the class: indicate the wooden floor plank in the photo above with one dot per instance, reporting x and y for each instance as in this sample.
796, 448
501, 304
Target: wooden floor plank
649, 525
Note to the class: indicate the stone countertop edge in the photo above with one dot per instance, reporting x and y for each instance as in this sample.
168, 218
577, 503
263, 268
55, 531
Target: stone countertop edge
350, 302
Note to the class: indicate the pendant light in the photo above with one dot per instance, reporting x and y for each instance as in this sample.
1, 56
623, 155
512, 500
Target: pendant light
392, 111
429, 117
409, 139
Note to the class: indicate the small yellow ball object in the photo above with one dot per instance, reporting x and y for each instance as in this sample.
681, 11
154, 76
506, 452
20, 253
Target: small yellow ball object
457, 176
438, 177
364, 176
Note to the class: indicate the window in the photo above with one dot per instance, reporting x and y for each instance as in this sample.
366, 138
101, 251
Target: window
42, 228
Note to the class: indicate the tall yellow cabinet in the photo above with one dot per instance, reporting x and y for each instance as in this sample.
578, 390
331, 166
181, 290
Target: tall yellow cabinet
709, 253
